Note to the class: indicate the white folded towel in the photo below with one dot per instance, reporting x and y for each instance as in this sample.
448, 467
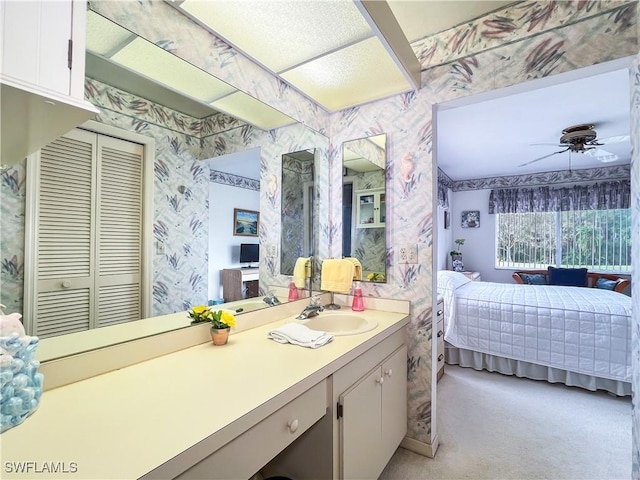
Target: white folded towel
298, 334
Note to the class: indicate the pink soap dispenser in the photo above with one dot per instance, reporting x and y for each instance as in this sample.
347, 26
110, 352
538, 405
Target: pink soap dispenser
293, 292
358, 302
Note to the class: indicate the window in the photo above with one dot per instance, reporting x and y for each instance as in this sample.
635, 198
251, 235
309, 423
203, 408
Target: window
596, 239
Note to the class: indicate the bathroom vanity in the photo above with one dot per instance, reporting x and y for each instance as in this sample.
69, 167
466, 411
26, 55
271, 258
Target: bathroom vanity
227, 412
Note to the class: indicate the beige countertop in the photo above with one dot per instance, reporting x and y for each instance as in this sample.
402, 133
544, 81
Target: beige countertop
125, 423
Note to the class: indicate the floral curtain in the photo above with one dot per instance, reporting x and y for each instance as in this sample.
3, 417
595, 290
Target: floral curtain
599, 196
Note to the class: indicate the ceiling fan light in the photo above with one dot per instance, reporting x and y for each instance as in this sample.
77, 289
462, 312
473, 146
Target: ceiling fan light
602, 155
608, 158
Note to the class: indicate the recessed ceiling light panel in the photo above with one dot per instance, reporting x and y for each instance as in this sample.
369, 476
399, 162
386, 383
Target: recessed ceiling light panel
245, 107
148, 59
284, 33
104, 36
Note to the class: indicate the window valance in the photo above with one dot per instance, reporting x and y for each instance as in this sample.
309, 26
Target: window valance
598, 196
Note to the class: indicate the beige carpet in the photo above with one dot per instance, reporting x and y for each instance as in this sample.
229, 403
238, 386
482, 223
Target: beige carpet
493, 426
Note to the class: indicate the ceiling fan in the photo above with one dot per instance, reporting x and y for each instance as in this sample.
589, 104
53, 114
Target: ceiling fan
582, 139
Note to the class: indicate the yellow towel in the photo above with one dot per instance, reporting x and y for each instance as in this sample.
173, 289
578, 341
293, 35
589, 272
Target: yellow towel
301, 271
337, 275
357, 275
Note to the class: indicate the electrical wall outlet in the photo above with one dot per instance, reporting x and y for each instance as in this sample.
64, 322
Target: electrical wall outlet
272, 250
408, 254
159, 247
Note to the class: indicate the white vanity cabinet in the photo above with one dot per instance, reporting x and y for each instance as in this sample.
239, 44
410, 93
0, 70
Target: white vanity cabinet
372, 411
249, 452
41, 73
370, 208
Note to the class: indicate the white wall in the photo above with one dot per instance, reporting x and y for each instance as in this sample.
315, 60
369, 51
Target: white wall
479, 249
224, 247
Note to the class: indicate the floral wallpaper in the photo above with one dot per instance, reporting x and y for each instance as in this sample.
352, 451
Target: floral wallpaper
12, 209
522, 20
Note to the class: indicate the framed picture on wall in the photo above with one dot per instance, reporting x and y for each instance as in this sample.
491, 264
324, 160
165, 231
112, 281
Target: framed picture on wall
471, 219
245, 222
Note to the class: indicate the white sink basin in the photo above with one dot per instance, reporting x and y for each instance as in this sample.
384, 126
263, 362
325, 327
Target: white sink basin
339, 323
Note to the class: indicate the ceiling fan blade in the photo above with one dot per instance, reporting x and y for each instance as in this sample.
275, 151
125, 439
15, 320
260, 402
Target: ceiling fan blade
602, 155
546, 144
616, 139
542, 158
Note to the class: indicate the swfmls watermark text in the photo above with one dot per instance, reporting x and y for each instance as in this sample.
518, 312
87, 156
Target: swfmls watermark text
34, 467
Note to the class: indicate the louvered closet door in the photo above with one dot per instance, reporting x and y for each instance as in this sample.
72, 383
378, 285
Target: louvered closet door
89, 234
65, 235
120, 231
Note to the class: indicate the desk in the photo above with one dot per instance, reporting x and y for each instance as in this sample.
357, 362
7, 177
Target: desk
233, 280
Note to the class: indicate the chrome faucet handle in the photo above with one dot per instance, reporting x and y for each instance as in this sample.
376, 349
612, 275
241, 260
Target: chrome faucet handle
315, 301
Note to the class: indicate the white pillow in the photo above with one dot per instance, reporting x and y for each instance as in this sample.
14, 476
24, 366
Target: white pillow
451, 280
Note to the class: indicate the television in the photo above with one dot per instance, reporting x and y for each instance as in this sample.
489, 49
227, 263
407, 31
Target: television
249, 253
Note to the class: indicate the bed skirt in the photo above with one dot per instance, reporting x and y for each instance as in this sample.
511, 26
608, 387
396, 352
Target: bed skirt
509, 366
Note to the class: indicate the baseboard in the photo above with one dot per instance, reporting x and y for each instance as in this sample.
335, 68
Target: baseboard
421, 448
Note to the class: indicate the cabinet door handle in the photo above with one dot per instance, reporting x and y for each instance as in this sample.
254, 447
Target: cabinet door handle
66, 284
389, 372
440, 333
380, 381
440, 312
441, 357
293, 425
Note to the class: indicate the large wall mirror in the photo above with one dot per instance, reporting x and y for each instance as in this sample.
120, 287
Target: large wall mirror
364, 205
98, 69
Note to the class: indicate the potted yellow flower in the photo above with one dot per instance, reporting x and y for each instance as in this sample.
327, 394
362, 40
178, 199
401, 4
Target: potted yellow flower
221, 322
375, 277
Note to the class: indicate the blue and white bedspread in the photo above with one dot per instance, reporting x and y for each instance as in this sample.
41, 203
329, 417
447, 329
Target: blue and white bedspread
578, 329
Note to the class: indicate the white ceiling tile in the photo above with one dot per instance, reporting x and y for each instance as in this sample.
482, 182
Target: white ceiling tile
357, 74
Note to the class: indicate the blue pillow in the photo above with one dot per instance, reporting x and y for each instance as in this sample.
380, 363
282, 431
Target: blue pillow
572, 277
534, 278
606, 284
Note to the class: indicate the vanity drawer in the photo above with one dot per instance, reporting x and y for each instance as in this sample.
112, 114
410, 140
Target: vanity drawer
249, 452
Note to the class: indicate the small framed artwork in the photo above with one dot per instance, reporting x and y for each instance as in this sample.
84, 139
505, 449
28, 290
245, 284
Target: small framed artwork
471, 219
245, 222
447, 219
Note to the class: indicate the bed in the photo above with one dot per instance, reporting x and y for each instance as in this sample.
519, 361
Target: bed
573, 335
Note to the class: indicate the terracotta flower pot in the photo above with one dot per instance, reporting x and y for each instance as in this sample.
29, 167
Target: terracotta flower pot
219, 336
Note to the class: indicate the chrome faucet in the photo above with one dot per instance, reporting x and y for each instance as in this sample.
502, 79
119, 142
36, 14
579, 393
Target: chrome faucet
311, 310
271, 300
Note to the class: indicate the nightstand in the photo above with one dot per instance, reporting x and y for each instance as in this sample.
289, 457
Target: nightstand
440, 336
475, 276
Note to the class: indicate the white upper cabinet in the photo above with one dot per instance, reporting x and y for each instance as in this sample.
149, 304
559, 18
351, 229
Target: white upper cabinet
42, 74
